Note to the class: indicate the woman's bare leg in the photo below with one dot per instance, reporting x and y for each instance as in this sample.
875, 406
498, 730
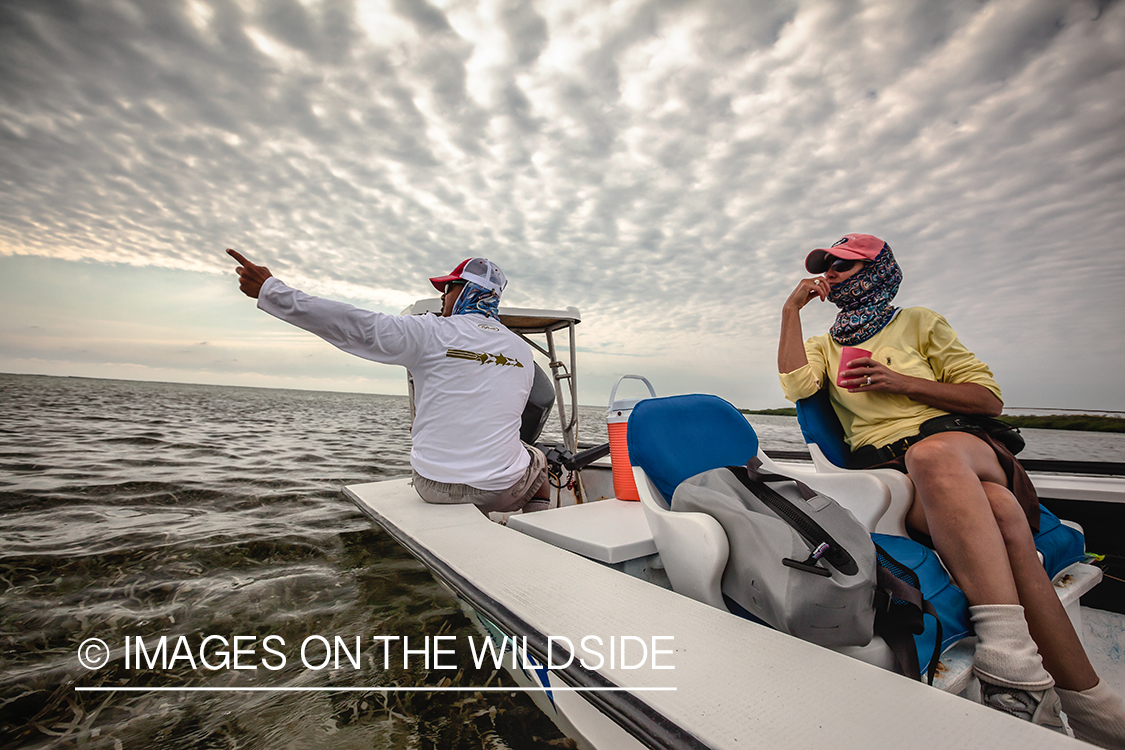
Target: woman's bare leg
1062, 651
963, 503
952, 507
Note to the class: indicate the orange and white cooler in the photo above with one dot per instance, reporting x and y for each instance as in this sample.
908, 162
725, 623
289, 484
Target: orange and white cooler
617, 422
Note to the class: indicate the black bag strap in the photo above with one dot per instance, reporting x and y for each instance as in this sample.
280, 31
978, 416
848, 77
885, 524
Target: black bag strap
753, 469
899, 610
821, 543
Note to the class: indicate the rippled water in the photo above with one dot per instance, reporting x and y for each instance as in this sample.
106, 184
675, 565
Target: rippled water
149, 509
132, 509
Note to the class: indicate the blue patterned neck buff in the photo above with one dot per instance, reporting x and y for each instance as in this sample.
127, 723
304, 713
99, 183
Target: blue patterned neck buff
476, 300
865, 300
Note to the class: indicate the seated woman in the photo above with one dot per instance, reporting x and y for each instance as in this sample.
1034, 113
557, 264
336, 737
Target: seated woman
972, 498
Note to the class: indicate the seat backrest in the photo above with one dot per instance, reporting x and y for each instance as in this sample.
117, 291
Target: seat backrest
677, 437
820, 425
538, 408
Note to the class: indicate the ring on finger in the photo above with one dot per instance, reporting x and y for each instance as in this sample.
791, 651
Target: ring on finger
868, 380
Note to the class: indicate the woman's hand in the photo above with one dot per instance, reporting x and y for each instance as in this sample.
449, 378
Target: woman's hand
866, 374
805, 291
791, 347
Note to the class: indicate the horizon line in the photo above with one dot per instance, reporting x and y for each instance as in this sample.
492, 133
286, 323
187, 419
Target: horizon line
1071, 410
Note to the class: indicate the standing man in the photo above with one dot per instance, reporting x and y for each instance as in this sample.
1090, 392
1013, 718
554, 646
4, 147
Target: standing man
472, 377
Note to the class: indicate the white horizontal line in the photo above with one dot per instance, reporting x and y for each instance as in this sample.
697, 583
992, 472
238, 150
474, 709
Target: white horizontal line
368, 689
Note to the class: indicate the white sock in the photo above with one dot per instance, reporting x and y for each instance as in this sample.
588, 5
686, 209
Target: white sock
1097, 715
1006, 655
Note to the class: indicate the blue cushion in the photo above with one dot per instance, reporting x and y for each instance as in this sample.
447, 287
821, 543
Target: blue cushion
1061, 545
820, 425
677, 437
949, 601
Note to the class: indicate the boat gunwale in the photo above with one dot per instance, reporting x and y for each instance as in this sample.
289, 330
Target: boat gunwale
1031, 465
625, 709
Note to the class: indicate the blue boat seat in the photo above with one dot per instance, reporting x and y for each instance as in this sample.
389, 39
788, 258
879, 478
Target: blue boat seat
676, 437
824, 436
821, 427
673, 438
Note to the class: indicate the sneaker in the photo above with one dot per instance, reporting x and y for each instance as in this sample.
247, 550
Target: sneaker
1040, 707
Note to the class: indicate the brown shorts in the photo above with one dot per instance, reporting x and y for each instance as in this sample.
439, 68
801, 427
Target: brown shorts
1018, 480
502, 501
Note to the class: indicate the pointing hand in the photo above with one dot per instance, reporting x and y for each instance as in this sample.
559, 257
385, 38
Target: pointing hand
250, 276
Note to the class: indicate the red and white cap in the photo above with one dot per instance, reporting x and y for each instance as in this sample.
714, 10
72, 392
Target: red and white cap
848, 247
480, 271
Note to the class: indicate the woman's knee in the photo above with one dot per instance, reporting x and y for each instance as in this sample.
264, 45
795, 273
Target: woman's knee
931, 458
1009, 515
952, 457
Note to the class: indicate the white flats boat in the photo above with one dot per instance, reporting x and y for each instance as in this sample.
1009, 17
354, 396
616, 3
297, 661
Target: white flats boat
621, 642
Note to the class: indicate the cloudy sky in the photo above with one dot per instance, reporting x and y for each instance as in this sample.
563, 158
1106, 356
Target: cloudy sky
663, 165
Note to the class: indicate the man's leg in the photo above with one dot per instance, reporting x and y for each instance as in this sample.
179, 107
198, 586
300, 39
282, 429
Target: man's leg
541, 497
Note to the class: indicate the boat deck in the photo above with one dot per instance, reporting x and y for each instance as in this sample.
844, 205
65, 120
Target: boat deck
737, 684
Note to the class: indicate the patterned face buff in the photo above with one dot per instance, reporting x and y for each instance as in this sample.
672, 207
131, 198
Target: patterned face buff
476, 300
865, 300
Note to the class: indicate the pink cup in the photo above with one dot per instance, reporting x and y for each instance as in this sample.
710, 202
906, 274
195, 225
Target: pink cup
847, 354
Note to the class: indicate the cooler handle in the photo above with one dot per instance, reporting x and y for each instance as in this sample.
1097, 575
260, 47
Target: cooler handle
625, 377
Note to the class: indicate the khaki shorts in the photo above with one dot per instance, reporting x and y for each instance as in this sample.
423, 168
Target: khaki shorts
503, 501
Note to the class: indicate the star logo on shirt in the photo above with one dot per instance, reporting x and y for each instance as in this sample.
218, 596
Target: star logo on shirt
483, 358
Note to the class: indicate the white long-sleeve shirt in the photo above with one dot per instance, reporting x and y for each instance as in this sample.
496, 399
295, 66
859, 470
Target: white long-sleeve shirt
471, 376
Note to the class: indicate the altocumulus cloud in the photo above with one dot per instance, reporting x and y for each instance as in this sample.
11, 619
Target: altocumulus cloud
664, 166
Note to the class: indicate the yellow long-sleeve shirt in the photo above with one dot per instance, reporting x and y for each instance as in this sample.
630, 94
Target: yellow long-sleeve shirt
919, 343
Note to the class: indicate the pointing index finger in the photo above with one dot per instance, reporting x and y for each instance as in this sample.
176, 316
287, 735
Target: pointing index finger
238, 256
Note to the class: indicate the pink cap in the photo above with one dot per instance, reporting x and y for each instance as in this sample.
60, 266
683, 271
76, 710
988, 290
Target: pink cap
477, 270
848, 247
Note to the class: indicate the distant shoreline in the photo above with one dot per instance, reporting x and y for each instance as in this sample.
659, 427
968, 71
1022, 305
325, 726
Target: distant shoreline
1079, 422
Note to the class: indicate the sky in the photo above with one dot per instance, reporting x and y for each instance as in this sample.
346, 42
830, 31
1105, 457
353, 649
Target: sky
662, 165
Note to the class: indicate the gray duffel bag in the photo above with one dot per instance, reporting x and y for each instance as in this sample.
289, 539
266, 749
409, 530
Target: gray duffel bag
799, 561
